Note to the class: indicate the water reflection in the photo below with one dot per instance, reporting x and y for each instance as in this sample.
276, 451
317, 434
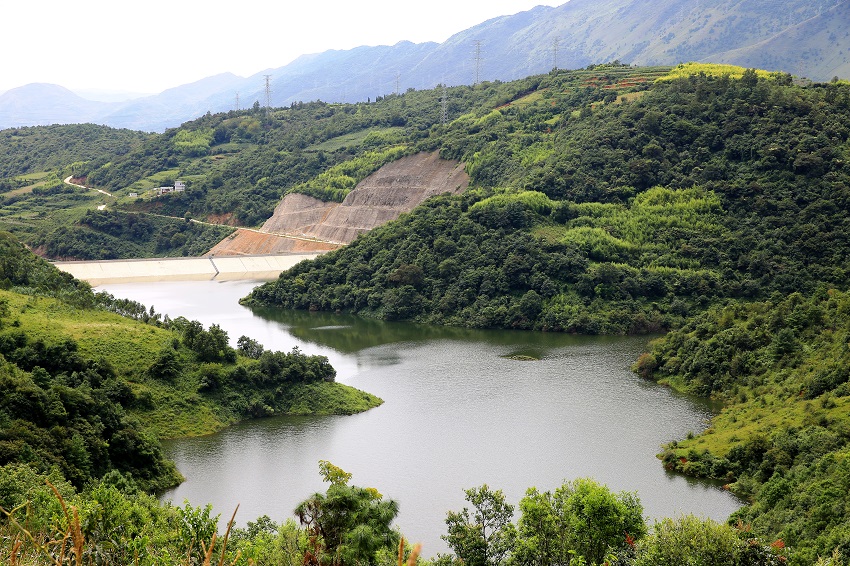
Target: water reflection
457, 414
351, 334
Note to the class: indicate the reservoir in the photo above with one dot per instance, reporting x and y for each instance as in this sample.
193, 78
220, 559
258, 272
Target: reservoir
458, 413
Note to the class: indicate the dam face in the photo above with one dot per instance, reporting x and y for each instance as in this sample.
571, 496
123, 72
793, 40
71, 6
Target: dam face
224, 268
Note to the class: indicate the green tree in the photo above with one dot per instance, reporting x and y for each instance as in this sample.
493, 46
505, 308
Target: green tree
690, 541
209, 345
484, 536
249, 347
167, 365
196, 528
582, 519
347, 524
600, 522
539, 531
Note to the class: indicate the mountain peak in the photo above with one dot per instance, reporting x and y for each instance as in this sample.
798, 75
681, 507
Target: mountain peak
804, 37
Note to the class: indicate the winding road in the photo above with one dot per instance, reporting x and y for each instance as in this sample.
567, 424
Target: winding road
68, 182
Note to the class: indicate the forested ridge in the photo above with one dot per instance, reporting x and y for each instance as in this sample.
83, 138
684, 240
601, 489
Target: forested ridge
710, 206
238, 165
612, 217
42, 148
782, 367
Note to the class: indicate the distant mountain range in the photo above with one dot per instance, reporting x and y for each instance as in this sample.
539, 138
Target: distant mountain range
807, 38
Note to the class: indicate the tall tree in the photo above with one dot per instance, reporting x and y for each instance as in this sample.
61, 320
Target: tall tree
485, 535
581, 520
347, 524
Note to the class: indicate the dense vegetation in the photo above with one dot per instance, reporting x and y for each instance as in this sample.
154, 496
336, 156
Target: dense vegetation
580, 523
783, 368
237, 165
624, 218
100, 234
45, 148
87, 390
63, 221
485, 268
710, 207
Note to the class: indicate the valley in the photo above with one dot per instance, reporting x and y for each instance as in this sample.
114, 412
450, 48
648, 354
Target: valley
703, 206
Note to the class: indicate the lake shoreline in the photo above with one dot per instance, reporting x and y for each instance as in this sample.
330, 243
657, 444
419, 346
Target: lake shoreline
454, 406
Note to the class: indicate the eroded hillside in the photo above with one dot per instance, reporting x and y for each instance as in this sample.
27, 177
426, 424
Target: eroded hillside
303, 223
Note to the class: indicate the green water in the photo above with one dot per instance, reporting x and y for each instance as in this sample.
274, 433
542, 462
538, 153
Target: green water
459, 411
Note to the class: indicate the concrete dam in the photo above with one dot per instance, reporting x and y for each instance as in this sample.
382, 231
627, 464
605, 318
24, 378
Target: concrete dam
224, 268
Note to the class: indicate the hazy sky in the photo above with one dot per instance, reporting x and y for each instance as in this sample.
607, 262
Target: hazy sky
152, 45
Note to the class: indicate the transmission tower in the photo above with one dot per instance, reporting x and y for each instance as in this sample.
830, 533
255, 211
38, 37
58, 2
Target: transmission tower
555, 54
477, 61
397, 77
268, 93
237, 102
444, 105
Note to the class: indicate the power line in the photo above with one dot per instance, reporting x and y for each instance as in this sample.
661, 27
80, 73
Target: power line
444, 105
555, 54
268, 93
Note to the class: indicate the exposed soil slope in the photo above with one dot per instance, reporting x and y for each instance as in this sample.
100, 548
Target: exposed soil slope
298, 214
381, 197
251, 242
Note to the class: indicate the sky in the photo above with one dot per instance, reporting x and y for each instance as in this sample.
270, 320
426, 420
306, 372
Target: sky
152, 45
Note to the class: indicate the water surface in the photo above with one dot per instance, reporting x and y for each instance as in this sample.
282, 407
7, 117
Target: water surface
458, 413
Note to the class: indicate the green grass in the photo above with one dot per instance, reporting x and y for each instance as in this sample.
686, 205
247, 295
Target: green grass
127, 345
353, 139
176, 409
741, 423
328, 399
528, 99
37, 176
26, 213
685, 70
153, 181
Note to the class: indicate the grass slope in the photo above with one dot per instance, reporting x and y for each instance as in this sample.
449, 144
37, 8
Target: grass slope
91, 391
783, 437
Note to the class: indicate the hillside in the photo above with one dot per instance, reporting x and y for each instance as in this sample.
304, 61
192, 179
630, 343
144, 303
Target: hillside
803, 37
237, 167
256, 242
46, 104
818, 48
706, 203
92, 383
393, 189
661, 206
713, 205
34, 150
781, 367
316, 225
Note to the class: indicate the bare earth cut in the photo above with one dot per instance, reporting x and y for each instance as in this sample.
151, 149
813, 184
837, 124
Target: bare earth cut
302, 224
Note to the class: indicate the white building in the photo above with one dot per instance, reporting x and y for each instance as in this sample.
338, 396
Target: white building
179, 187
